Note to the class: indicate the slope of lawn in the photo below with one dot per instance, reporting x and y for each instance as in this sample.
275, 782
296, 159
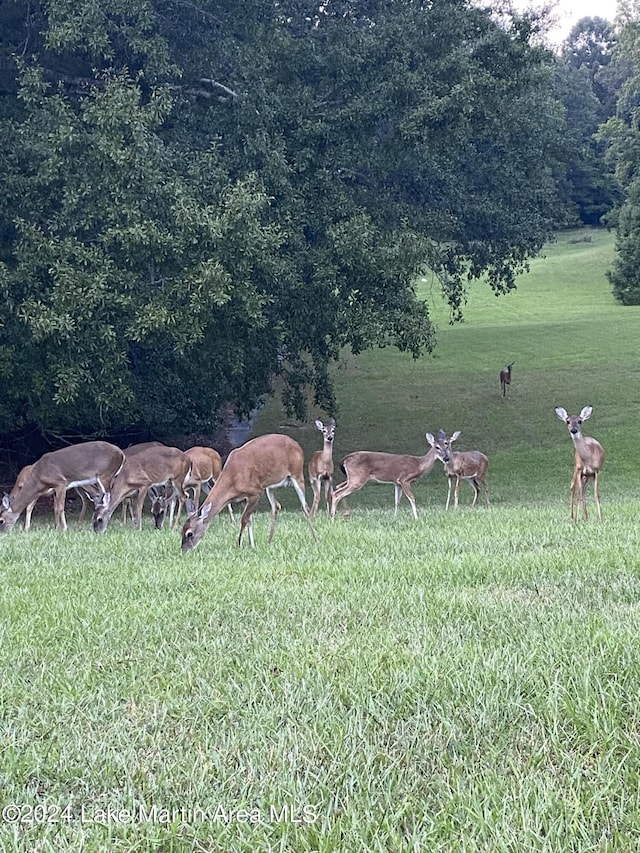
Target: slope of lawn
467, 682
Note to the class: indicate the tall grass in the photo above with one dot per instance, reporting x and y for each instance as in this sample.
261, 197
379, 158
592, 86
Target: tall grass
466, 682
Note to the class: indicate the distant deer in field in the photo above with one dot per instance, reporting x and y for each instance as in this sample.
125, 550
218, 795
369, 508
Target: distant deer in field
261, 465
321, 467
505, 378
365, 466
468, 465
588, 460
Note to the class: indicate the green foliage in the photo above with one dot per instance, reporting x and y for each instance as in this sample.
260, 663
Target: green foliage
622, 135
200, 200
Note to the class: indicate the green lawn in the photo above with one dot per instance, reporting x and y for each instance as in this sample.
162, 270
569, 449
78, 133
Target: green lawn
466, 682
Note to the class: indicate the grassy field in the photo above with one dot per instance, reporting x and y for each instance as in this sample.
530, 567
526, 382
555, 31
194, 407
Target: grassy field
466, 682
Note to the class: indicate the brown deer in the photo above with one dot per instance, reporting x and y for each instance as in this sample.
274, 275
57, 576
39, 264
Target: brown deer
206, 465
321, 467
505, 378
91, 463
127, 505
82, 492
364, 466
261, 465
468, 465
153, 466
588, 461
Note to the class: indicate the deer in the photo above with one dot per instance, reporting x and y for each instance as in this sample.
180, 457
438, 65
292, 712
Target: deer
91, 463
505, 378
206, 465
127, 506
153, 466
588, 461
468, 465
260, 465
81, 491
321, 467
364, 466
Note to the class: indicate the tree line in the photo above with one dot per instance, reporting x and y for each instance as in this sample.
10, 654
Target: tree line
202, 199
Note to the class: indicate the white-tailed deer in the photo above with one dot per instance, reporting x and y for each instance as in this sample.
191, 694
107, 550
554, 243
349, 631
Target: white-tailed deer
468, 465
127, 505
21, 479
321, 467
261, 465
90, 463
153, 466
588, 460
505, 378
206, 465
364, 466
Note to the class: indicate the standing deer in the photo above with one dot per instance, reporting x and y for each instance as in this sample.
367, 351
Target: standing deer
588, 460
153, 466
461, 465
321, 467
261, 465
364, 466
90, 463
505, 378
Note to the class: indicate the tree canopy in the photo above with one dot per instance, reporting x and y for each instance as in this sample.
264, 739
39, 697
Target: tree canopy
200, 198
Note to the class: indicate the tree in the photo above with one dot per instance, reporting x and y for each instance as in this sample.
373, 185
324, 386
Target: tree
199, 199
621, 133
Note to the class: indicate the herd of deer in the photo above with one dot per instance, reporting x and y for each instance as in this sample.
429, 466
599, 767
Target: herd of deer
108, 477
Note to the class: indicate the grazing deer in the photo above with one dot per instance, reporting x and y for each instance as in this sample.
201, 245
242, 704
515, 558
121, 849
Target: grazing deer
321, 467
505, 378
90, 463
127, 506
153, 466
261, 465
363, 466
468, 465
206, 465
21, 479
588, 460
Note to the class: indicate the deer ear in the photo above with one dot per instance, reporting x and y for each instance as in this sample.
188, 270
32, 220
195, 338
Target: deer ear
455, 435
319, 425
205, 509
192, 509
430, 438
332, 423
6, 501
586, 412
561, 413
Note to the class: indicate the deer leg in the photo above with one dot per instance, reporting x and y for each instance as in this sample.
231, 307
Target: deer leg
596, 494
137, 520
397, 496
303, 503
316, 488
449, 482
406, 488
583, 495
328, 492
59, 497
456, 494
27, 515
486, 493
476, 490
245, 521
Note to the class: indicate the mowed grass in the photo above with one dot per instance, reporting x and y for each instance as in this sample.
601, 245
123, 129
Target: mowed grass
466, 682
